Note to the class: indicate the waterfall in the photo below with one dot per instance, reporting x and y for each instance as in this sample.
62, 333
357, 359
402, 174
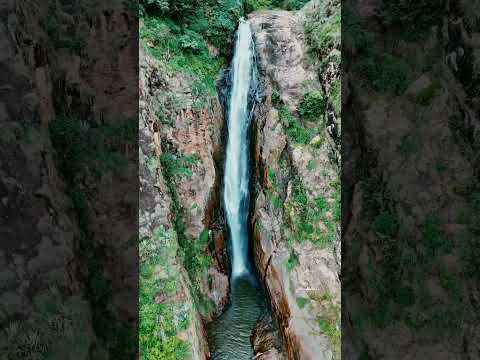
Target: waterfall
236, 178
229, 335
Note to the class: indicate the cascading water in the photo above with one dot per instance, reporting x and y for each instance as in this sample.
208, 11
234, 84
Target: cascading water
229, 335
236, 178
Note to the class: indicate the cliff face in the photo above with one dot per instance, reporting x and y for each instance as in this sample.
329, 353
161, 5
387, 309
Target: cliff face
414, 184
179, 186
42, 264
295, 213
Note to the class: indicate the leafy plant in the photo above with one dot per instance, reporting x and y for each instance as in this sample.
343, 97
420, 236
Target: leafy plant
313, 105
295, 130
301, 302
292, 261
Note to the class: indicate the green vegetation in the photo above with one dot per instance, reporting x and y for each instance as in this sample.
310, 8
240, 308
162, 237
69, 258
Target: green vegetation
252, 5
412, 19
384, 73
380, 70
471, 238
400, 294
275, 197
441, 166
182, 51
323, 32
311, 165
386, 224
425, 96
81, 149
336, 96
192, 252
313, 105
295, 131
292, 261
179, 166
60, 35
323, 36
313, 220
51, 330
302, 302
409, 146
434, 239
161, 322
329, 322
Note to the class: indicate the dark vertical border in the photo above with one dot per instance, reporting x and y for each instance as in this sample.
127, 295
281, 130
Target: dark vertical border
69, 179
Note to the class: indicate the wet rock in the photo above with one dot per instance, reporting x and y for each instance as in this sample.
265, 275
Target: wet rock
266, 340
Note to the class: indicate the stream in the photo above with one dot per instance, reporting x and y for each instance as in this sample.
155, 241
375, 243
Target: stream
229, 335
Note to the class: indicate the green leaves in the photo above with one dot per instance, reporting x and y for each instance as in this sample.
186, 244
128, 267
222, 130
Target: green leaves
313, 105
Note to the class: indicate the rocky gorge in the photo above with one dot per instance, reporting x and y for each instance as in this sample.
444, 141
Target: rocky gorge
295, 201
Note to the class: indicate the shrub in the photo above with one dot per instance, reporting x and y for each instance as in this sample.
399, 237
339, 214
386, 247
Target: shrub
277, 202
323, 32
292, 261
253, 5
178, 165
434, 238
384, 73
191, 41
313, 105
289, 4
301, 302
425, 96
295, 130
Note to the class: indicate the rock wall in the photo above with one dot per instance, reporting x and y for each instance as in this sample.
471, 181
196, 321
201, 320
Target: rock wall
194, 132
41, 79
301, 276
412, 160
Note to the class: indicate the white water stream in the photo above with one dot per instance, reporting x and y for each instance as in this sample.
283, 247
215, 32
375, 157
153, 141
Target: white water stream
236, 178
229, 335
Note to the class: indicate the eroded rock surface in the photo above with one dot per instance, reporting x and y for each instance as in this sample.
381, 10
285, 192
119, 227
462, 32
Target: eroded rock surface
179, 185
300, 272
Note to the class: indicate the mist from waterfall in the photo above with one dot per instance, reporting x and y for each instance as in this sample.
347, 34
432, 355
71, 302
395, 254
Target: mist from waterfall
236, 178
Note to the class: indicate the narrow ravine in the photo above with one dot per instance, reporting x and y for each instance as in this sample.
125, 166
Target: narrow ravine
229, 335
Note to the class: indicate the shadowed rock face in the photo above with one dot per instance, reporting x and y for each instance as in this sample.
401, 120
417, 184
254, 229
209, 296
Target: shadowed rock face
417, 151
41, 80
308, 290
